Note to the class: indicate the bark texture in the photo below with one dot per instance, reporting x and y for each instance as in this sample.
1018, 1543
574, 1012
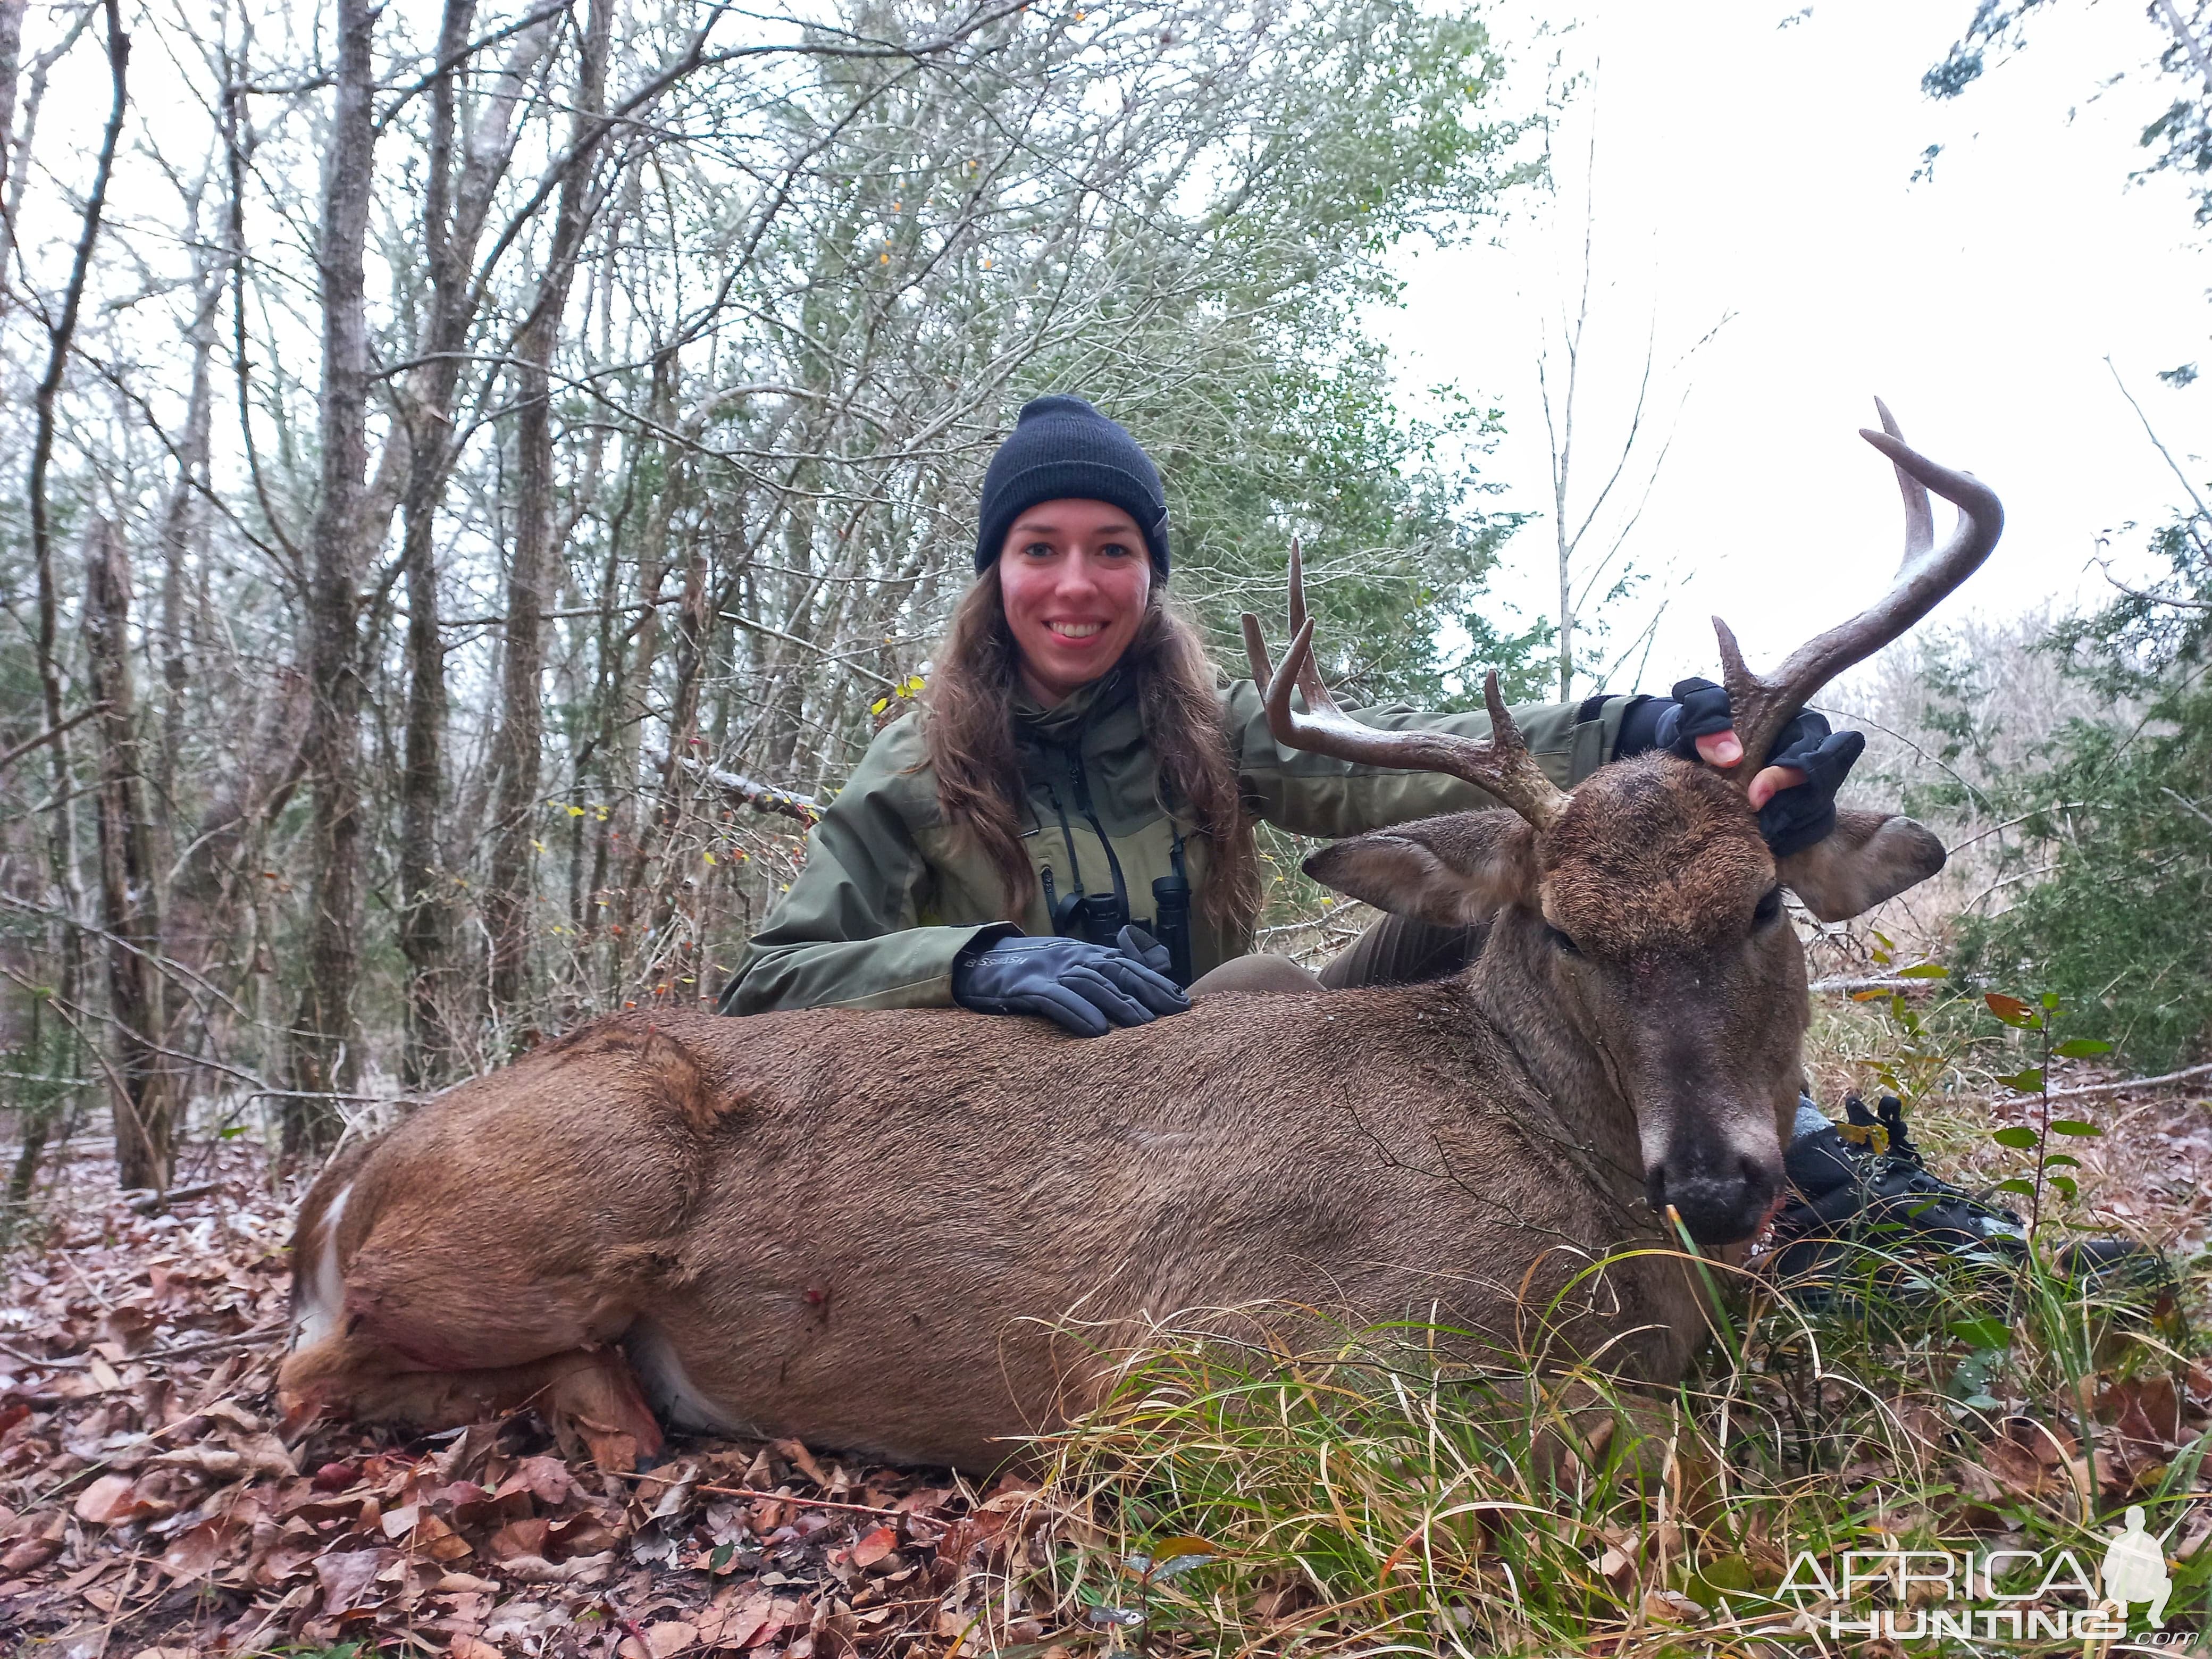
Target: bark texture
325, 1057
144, 1083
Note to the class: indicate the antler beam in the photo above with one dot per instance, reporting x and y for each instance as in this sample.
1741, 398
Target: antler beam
1763, 707
1502, 765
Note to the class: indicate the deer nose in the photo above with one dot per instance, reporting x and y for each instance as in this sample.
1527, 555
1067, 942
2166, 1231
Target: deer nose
1721, 1193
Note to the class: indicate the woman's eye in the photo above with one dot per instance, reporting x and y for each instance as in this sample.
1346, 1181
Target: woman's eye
1114, 551
1767, 909
1560, 941
1038, 550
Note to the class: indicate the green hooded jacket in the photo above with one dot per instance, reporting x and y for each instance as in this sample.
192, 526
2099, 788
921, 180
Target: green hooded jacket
891, 895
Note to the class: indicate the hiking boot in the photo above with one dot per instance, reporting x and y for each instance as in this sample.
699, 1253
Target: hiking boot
1865, 1200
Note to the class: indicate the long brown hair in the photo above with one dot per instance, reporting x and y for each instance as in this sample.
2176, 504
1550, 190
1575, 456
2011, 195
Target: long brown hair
968, 726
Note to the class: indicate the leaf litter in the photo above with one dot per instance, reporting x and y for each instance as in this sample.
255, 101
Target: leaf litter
149, 1509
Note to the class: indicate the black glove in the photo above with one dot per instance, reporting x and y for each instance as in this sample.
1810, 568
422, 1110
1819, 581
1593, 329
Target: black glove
1087, 989
1795, 817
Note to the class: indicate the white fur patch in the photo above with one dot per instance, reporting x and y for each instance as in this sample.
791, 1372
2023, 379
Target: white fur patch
671, 1394
322, 1286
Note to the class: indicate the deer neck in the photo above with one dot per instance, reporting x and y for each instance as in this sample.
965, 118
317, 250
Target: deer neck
1512, 990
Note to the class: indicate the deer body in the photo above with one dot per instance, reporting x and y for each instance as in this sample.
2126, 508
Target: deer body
797, 1231
923, 1233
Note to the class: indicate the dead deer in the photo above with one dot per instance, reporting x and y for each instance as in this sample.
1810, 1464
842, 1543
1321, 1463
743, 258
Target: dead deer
875, 1230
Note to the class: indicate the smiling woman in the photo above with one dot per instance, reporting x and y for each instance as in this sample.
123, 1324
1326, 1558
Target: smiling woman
1074, 578
1065, 827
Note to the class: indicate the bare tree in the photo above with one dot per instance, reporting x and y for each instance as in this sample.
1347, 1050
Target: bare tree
325, 1057
462, 174
1583, 570
143, 1079
517, 756
606, 399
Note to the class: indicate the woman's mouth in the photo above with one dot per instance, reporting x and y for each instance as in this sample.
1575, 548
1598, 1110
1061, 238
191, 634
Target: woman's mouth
1075, 631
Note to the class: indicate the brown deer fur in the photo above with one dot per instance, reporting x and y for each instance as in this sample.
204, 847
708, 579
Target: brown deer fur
922, 1234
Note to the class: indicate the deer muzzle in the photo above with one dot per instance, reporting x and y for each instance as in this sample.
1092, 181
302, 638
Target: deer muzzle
1722, 1191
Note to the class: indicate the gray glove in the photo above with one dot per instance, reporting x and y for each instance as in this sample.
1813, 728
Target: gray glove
1086, 988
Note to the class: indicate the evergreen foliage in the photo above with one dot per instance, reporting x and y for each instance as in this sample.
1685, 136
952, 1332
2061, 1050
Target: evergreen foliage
2114, 854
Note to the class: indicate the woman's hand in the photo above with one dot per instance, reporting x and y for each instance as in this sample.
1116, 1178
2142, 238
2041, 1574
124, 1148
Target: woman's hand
1795, 792
1723, 750
1085, 989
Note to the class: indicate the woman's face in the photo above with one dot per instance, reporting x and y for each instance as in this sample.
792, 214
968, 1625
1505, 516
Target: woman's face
1073, 577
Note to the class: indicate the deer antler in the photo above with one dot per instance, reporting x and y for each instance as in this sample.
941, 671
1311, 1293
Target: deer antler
1764, 707
1502, 765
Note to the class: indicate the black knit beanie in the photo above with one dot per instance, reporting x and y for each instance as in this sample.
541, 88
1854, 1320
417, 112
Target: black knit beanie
1062, 449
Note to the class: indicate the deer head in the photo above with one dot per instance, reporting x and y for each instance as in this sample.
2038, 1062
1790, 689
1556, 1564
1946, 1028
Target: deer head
1640, 952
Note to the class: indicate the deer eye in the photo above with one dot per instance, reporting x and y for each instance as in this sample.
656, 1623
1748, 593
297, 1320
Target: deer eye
1560, 941
1767, 909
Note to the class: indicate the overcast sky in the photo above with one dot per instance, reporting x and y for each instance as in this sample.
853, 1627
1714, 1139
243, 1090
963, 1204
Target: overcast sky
1766, 171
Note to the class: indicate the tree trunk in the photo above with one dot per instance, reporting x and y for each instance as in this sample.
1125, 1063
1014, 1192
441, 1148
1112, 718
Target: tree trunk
325, 1057
519, 749
61, 333
424, 938
676, 788
184, 526
457, 195
533, 574
11, 64
144, 1082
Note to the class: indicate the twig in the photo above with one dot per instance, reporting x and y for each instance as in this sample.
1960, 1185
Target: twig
1889, 983
803, 1503
47, 736
2157, 443
2181, 1076
73, 1361
154, 1203
2105, 565
760, 797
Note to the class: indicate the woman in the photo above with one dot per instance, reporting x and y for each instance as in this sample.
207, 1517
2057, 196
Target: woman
1077, 778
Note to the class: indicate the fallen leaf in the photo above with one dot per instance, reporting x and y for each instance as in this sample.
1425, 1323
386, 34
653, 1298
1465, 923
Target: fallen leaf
195, 1553
2146, 1410
795, 1453
1671, 1608
547, 1478
582, 1570
346, 1576
519, 1538
109, 1501
875, 1546
1613, 1565
2017, 1470
30, 1556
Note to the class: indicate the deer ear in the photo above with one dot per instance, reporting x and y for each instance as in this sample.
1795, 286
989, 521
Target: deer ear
1867, 858
1448, 871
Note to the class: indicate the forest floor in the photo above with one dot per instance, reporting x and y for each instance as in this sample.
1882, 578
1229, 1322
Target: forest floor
149, 1508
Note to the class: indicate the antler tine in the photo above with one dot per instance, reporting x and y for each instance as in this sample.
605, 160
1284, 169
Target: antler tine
1919, 517
1763, 707
1501, 766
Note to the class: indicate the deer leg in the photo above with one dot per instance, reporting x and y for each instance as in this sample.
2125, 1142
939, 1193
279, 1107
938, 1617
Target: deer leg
589, 1395
401, 1336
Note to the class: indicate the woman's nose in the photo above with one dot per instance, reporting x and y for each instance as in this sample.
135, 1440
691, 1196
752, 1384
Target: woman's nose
1076, 575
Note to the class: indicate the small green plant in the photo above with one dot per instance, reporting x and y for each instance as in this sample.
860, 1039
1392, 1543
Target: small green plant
1922, 1047
2040, 1021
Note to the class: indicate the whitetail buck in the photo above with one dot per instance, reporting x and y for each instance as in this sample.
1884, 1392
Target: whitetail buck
871, 1230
